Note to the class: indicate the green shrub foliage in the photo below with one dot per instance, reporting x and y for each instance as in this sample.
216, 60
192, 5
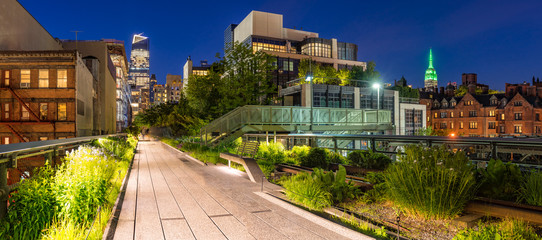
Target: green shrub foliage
431, 182
369, 159
272, 152
531, 189
378, 193
335, 183
506, 229
301, 188
317, 157
500, 180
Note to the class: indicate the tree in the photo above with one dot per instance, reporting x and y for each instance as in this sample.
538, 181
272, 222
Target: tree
203, 93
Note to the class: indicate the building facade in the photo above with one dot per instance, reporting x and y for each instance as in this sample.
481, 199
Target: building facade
264, 31
139, 73
174, 86
160, 94
189, 69
430, 81
117, 54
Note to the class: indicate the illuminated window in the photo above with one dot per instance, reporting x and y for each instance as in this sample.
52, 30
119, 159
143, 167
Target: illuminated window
7, 76
43, 78
461, 114
62, 78
436, 115
451, 114
460, 125
451, 125
43, 111
492, 113
6, 140
491, 125
25, 78
25, 115
62, 112
473, 125
6, 111
517, 129
502, 116
43, 138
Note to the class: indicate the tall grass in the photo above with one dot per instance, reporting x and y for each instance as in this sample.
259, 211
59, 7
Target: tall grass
431, 182
301, 188
506, 229
500, 180
531, 189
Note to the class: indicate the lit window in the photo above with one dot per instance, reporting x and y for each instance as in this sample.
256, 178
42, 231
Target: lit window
7, 75
473, 125
517, 129
461, 125
6, 140
436, 115
62, 78
451, 125
451, 114
43, 138
492, 113
25, 78
43, 111
25, 115
62, 112
502, 116
44, 78
6, 111
461, 114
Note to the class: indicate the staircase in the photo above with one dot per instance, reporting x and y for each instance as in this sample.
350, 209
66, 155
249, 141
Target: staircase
256, 118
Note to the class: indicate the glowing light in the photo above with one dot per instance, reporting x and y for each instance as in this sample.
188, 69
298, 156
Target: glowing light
376, 85
452, 134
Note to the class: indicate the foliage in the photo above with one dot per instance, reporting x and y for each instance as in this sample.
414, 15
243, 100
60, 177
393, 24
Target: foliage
301, 188
531, 189
462, 90
118, 147
431, 182
368, 159
429, 131
325, 74
378, 193
62, 203
317, 157
267, 167
335, 183
336, 158
32, 207
272, 152
179, 118
500, 180
506, 229
297, 153
363, 227
204, 153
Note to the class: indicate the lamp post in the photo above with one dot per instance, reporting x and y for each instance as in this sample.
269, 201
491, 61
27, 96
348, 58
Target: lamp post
309, 78
377, 86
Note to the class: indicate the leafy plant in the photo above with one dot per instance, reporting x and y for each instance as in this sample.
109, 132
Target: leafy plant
531, 189
272, 152
431, 182
266, 167
335, 183
506, 229
369, 159
336, 158
302, 188
500, 180
317, 157
378, 193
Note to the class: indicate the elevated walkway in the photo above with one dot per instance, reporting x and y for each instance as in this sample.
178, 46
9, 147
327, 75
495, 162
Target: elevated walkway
252, 119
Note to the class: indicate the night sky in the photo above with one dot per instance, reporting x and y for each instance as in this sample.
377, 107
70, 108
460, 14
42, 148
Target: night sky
501, 41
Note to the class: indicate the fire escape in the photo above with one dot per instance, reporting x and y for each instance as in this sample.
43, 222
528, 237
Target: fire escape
36, 120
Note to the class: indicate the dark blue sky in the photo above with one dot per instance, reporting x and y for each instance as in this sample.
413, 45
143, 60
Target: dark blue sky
499, 40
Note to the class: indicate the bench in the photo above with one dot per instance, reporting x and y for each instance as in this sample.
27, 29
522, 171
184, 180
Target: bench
254, 172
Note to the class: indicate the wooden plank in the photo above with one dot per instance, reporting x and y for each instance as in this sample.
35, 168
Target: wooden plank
485, 209
177, 229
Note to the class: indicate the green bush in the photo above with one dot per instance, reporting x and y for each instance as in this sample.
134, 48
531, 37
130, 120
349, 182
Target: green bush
301, 188
266, 167
368, 159
32, 207
431, 182
272, 152
506, 229
335, 183
378, 193
531, 189
297, 153
317, 157
337, 158
500, 180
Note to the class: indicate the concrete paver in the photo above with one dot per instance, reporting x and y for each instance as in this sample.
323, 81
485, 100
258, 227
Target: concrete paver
171, 197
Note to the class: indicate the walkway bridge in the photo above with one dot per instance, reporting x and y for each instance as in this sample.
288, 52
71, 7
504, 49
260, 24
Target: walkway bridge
254, 119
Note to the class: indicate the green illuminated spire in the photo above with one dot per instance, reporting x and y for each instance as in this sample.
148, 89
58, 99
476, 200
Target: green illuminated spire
430, 73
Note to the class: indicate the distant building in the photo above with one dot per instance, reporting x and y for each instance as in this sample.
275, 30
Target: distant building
264, 31
139, 77
189, 69
152, 82
117, 52
174, 86
430, 81
160, 94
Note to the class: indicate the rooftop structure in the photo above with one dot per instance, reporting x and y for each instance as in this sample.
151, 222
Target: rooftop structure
430, 74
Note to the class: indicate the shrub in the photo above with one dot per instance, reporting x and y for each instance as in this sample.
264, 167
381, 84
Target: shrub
431, 182
378, 193
500, 180
336, 158
531, 189
506, 229
272, 152
368, 159
301, 188
266, 167
298, 152
335, 183
317, 157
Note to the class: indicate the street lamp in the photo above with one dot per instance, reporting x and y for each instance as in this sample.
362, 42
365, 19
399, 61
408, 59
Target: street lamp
377, 86
309, 78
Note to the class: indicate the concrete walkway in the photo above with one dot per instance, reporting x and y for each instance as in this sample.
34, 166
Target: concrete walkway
170, 196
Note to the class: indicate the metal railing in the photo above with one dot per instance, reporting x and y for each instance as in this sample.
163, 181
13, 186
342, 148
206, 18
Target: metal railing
10, 155
322, 118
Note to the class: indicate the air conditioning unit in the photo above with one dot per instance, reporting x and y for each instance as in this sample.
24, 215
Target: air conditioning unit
25, 85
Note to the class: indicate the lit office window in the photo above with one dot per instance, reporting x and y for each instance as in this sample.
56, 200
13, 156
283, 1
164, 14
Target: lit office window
25, 78
43, 78
62, 78
43, 111
62, 112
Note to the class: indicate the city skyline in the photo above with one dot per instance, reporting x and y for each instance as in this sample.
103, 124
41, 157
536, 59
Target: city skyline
495, 40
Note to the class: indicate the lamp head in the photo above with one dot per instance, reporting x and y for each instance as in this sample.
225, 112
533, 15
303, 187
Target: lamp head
308, 78
376, 85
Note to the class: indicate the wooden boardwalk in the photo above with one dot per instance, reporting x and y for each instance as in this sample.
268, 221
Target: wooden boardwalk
169, 196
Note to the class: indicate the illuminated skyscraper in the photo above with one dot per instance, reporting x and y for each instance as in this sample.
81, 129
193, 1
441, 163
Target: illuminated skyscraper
139, 71
430, 74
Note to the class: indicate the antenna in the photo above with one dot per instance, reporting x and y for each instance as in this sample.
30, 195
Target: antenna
76, 32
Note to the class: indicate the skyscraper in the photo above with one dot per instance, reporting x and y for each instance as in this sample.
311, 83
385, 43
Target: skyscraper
139, 71
430, 74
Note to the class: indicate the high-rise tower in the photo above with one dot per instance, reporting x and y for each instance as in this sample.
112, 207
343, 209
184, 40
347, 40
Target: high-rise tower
430, 74
139, 75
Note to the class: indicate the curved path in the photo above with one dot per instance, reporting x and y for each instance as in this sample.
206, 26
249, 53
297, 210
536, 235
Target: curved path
171, 196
